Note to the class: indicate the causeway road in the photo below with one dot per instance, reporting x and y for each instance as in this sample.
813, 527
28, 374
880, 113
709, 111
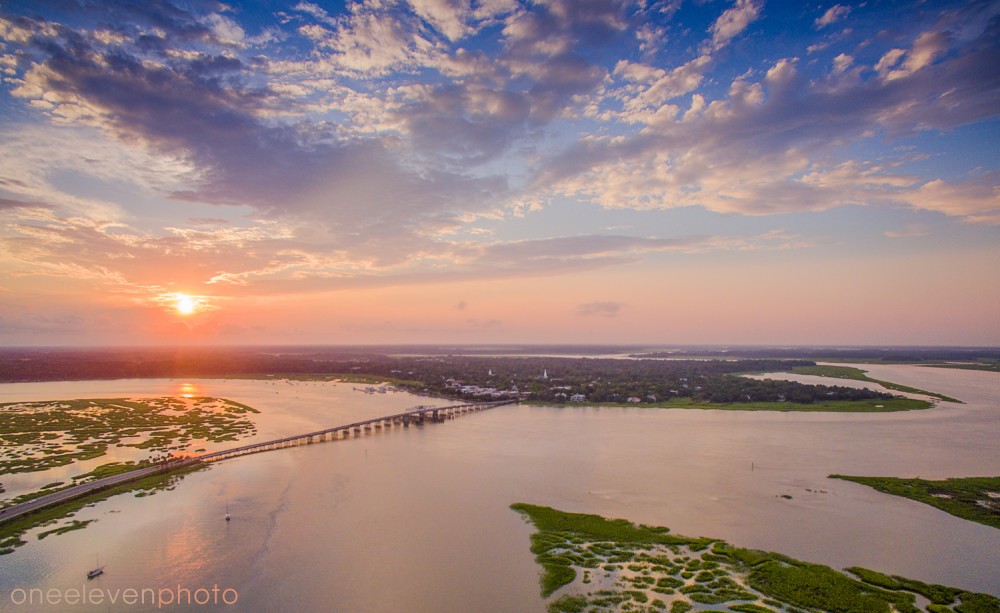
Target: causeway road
30, 506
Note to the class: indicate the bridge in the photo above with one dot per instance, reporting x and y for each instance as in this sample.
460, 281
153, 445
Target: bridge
417, 416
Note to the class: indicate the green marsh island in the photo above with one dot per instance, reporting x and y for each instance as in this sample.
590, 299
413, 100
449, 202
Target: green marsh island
973, 498
592, 564
36, 436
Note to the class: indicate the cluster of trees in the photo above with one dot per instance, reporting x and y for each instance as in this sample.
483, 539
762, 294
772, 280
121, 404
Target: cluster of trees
741, 389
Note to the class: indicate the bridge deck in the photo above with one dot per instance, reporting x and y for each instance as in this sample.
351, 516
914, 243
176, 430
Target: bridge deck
417, 416
410, 416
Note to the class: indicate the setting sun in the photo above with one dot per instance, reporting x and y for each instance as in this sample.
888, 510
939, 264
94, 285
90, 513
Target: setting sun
185, 304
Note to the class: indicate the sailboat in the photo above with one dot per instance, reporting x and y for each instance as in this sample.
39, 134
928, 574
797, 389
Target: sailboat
97, 571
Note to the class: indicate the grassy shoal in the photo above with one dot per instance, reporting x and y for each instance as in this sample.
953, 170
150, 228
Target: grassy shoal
830, 406
988, 366
856, 374
973, 498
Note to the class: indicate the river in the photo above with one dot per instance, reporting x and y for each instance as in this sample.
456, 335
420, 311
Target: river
418, 519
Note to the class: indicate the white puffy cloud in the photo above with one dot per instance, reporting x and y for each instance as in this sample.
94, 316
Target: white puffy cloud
450, 17
899, 63
734, 21
832, 15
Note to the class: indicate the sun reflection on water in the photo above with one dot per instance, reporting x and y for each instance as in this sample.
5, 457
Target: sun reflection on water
187, 390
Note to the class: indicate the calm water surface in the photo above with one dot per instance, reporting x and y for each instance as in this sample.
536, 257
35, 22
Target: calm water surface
417, 519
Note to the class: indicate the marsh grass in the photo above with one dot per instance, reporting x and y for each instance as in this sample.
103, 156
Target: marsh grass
73, 525
36, 436
715, 574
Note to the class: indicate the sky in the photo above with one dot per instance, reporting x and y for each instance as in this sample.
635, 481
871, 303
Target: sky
499, 171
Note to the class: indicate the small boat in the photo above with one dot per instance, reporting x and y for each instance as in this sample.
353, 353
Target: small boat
97, 572
227, 512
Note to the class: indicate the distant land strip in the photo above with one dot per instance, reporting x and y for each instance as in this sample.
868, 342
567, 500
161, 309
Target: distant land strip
71, 364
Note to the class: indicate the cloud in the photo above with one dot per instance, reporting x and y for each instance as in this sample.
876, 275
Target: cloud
316, 12
368, 198
899, 63
449, 17
465, 125
583, 247
229, 258
603, 309
734, 21
485, 324
207, 221
910, 231
552, 46
657, 87
7, 204
374, 42
201, 106
976, 200
40, 324
225, 30
763, 148
562, 27
125, 261
35, 161
835, 13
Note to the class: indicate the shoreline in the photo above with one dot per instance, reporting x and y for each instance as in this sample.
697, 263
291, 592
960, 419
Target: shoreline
837, 406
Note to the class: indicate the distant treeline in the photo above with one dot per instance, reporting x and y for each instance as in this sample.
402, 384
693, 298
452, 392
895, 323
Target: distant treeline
48, 364
554, 379
79, 364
